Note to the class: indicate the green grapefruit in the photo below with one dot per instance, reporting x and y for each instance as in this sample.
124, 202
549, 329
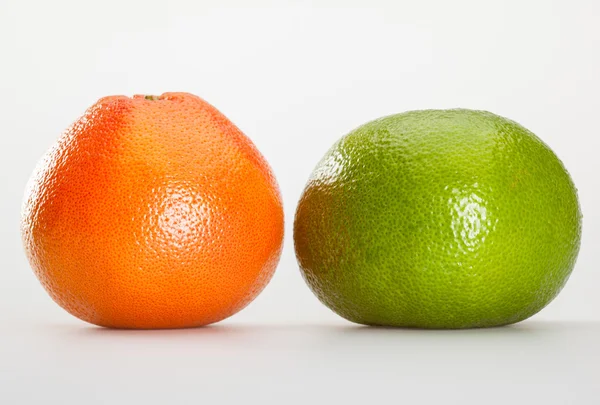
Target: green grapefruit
438, 219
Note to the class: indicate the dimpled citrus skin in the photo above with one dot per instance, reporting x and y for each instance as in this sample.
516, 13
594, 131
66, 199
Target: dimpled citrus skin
438, 219
153, 212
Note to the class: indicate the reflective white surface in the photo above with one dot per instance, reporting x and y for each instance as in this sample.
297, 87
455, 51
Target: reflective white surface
337, 363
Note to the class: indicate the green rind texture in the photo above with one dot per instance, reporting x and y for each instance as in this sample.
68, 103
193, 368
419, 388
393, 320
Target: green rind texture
438, 219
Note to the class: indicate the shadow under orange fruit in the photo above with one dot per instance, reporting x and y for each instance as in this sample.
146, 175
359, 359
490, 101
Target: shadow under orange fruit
153, 212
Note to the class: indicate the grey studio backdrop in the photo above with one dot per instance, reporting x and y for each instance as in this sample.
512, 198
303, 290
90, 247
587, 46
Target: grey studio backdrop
295, 76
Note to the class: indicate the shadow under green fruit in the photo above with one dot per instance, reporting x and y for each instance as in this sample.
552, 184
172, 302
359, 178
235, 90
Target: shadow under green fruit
438, 219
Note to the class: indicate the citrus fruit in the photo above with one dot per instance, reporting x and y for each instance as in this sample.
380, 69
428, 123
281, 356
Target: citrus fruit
438, 219
153, 212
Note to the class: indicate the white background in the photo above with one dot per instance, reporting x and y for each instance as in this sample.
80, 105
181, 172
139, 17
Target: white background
295, 76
